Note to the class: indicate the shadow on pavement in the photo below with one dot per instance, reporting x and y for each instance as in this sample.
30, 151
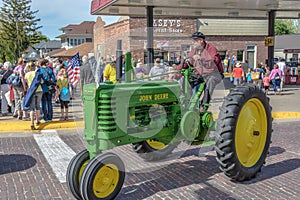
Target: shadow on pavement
275, 151
212, 192
175, 175
15, 162
43, 126
290, 88
270, 93
199, 151
276, 169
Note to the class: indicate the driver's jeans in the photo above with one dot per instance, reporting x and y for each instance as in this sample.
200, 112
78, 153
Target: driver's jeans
211, 81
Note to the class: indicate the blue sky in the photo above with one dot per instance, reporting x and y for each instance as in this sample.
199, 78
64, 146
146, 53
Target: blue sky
55, 14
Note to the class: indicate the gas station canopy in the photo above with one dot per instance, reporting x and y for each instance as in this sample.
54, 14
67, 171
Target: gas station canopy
247, 9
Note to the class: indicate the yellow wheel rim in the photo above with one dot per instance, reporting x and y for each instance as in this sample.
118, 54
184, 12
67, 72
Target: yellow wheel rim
106, 180
156, 145
251, 132
81, 169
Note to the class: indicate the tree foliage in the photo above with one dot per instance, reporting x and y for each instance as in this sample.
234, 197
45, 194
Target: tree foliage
19, 28
284, 27
297, 26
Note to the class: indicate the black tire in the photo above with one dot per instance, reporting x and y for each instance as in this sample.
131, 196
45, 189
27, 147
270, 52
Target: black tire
150, 152
74, 172
102, 178
243, 132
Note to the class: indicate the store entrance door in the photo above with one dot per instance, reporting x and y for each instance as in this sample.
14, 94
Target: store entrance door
251, 55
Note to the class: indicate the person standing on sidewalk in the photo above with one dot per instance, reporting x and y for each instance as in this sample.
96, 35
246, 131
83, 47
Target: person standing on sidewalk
4, 88
36, 97
48, 76
63, 89
266, 81
156, 70
20, 90
238, 75
86, 73
281, 66
258, 75
276, 76
110, 73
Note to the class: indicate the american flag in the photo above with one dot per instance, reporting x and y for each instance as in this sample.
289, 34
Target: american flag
73, 70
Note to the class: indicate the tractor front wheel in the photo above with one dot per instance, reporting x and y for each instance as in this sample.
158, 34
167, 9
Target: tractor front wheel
243, 132
102, 178
74, 172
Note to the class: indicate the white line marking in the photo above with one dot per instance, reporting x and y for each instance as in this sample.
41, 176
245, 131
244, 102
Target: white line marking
56, 151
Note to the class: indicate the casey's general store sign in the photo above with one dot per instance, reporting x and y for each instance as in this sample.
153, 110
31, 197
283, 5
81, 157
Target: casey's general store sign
167, 26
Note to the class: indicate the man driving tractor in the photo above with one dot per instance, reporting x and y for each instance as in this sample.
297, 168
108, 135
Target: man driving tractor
207, 63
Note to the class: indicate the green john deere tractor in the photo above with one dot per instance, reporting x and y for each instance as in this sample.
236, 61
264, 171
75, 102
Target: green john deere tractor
154, 117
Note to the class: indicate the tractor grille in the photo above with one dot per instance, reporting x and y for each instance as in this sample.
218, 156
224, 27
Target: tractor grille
106, 113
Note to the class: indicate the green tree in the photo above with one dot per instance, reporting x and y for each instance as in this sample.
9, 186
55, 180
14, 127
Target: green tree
19, 28
297, 25
284, 27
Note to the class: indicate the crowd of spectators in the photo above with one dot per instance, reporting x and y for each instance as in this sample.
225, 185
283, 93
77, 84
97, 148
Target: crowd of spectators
261, 76
32, 99
26, 89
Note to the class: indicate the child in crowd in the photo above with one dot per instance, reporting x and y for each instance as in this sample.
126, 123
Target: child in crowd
238, 75
266, 81
249, 73
62, 86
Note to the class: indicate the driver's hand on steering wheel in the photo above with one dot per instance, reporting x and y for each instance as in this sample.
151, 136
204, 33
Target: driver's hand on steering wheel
196, 57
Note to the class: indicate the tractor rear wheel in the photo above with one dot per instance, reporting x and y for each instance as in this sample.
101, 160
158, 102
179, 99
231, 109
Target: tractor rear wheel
244, 131
152, 150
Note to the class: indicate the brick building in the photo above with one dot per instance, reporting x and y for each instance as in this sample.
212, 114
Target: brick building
76, 34
243, 38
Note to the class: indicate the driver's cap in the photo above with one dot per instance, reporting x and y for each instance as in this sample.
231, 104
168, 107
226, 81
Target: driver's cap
197, 35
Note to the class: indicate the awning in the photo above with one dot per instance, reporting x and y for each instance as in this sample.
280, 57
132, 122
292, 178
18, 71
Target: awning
250, 9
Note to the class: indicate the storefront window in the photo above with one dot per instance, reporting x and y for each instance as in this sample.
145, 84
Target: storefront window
240, 55
157, 54
222, 54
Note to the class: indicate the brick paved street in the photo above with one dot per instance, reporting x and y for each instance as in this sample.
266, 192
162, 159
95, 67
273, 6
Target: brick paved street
189, 173
26, 174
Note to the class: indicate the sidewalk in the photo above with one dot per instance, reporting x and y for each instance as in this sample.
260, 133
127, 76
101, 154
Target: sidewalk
284, 106
10, 124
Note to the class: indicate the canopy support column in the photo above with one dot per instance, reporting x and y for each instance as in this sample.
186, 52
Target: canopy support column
150, 50
271, 32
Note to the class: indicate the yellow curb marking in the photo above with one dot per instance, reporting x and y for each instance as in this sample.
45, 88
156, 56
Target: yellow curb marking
17, 126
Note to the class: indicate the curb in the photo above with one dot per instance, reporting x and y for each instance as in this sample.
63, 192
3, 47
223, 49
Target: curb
24, 126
